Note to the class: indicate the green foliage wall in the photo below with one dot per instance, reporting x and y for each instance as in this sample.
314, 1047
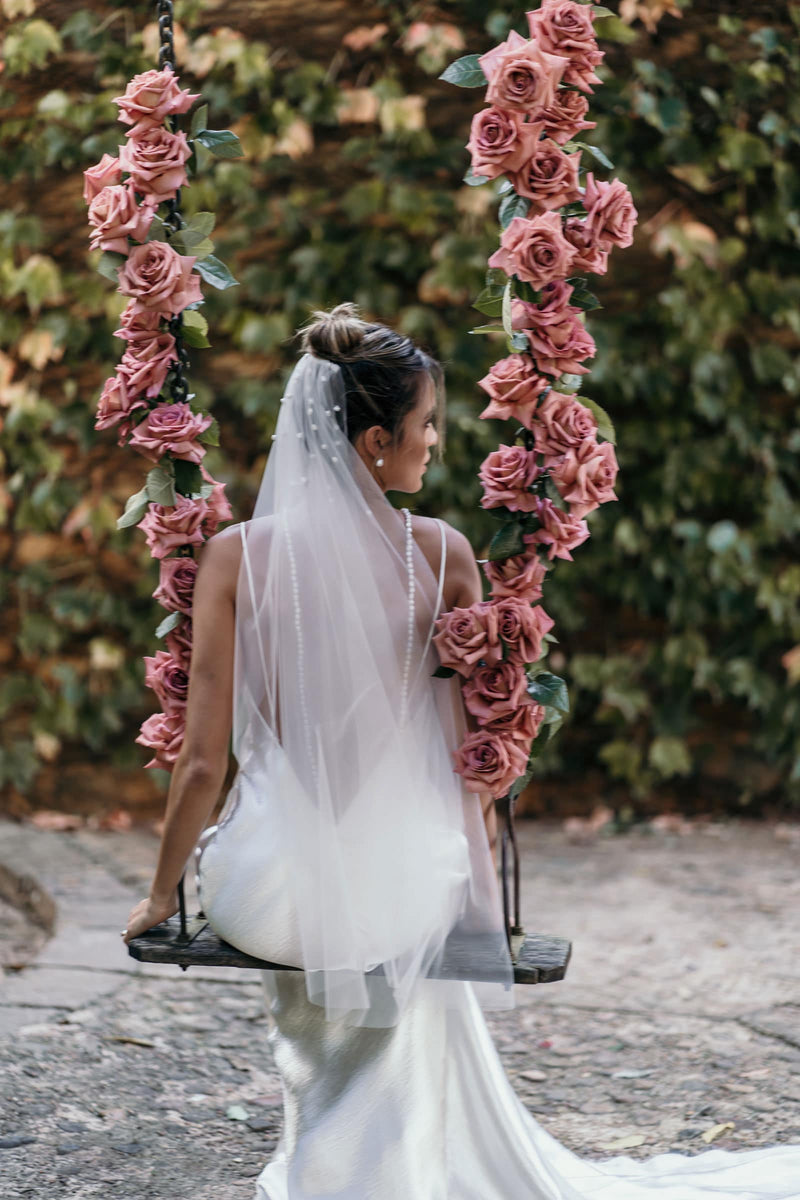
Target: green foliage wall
677, 619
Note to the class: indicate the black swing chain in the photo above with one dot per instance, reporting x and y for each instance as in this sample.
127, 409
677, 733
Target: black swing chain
173, 221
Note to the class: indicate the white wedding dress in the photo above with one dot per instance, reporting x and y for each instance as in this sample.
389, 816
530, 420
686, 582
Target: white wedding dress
349, 847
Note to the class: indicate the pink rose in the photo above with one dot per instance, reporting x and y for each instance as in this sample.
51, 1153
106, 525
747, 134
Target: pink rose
520, 576
163, 733
159, 278
150, 97
106, 173
585, 476
566, 28
168, 680
589, 255
179, 641
560, 532
534, 249
566, 116
116, 217
521, 626
146, 361
610, 215
219, 509
168, 527
465, 636
515, 387
559, 340
561, 423
116, 402
507, 475
494, 691
136, 323
171, 429
490, 762
500, 141
522, 77
549, 177
175, 591
522, 724
156, 163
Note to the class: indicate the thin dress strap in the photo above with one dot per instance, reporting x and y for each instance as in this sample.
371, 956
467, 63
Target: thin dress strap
256, 624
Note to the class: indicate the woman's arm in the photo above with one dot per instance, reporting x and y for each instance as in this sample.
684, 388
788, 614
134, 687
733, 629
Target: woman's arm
202, 763
463, 589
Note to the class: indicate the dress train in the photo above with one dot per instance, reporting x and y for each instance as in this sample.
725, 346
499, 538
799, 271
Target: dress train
425, 1111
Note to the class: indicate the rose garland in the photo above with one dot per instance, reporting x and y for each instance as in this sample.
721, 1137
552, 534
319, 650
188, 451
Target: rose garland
560, 463
158, 264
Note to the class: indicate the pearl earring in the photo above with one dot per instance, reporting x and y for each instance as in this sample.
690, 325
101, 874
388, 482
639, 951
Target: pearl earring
378, 462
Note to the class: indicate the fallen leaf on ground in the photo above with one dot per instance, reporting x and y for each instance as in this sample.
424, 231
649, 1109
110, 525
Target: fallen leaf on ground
625, 1143
709, 1134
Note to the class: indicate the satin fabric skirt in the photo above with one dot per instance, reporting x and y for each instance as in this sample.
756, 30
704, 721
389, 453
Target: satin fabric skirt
423, 1110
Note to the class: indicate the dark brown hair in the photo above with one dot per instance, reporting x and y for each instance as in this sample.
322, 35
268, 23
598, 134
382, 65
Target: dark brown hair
382, 370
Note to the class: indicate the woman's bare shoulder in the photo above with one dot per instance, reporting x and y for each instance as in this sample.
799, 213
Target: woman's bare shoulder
462, 577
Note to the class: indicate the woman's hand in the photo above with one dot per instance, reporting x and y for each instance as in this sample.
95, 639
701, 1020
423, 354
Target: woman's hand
148, 913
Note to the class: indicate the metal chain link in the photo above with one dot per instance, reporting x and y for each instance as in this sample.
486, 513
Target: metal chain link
173, 221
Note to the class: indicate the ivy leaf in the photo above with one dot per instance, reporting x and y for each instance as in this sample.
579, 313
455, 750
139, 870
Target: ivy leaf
168, 624
215, 272
465, 72
135, 508
443, 672
475, 180
199, 118
602, 158
188, 478
221, 142
506, 542
512, 206
489, 303
160, 485
507, 309
488, 329
110, 263
605, 426
549, 690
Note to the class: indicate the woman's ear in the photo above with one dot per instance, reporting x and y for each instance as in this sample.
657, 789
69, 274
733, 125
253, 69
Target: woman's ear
375, 440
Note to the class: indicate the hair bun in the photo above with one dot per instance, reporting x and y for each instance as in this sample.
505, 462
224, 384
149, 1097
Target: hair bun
337, 335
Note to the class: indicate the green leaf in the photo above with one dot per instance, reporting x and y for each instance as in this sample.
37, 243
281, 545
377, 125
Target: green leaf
550, 690
110, 263
506, 542
135, 508
194, 337
475, 180
505, 187
220, 142
202, 223
488, 329
465, 72
156, 231
512, 206
168, 624
552, 493
489, 302
187, 241
210, 436
583, 298
602, 158
215, 273
496, 278
199, 118
605, 427
520, 784
443, 672
518, 343
507, 309
160, 484
600, 10
188, 478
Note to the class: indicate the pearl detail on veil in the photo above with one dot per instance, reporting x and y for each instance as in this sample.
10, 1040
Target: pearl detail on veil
411, 609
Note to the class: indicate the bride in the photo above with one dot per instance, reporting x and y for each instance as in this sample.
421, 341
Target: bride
347, 846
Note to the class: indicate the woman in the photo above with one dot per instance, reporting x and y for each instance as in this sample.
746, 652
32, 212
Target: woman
347, 845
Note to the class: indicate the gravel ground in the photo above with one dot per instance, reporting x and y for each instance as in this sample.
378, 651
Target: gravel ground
680, 1013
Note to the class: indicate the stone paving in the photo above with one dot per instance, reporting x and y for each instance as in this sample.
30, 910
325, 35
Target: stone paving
680, 1014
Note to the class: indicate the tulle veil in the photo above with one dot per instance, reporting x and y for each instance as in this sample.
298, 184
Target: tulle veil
361, 858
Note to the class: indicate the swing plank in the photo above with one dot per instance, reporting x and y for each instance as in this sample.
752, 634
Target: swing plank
541, 958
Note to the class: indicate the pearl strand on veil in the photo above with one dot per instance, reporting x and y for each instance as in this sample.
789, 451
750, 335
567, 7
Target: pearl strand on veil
411, 609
